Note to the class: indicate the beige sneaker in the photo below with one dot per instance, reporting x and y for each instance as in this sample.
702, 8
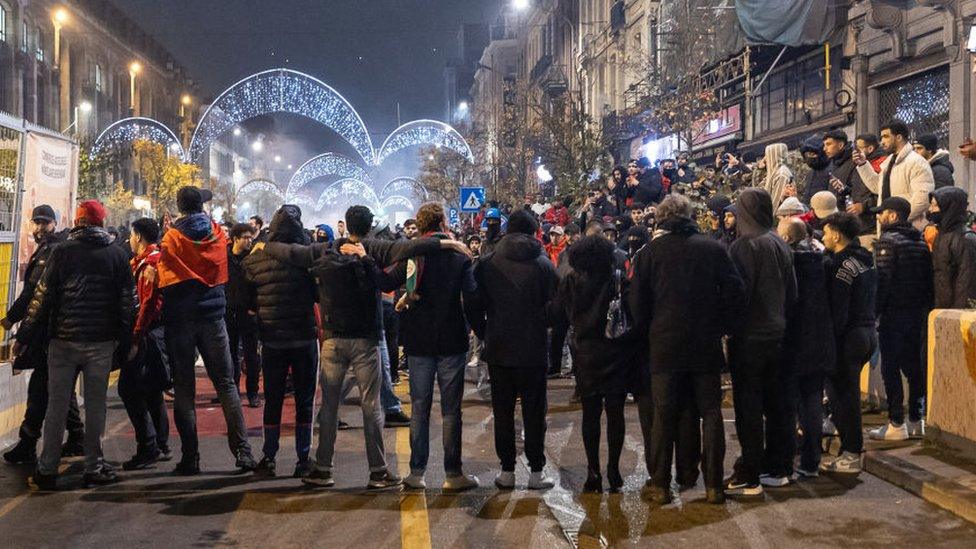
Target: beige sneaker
458, 483
889, 431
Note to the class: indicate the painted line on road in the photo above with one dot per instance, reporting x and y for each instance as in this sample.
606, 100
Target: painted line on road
414, 520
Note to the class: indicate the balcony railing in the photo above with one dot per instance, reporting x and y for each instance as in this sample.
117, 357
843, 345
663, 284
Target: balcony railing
541, 66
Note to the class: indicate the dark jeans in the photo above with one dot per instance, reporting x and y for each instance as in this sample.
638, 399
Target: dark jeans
507, 384
687, 448
303, 362
244, 347
762, 419
557, 339
142, 395
30, 428
593, 408
901, 341
807, 391
391, 326
210, 338
844, 389
672, 394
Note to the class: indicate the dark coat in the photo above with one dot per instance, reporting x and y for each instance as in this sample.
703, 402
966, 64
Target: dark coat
809, 330
32, 275
819, 177
942, 170
515, 282
852, 284
904, 263
87, 292
283, 296
765, 263
236, 293
954, 252
685, 294
436, 326
845, 170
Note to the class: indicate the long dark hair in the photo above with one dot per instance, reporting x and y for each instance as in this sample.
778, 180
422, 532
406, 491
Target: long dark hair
622, 171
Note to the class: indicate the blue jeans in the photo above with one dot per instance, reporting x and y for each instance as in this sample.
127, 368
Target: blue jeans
449, 371
303, 363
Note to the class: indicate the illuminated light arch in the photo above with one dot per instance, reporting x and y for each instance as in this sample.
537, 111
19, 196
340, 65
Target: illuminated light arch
352, 191
404, 186
137, 128
281, 90
324, 165
395, 201
259, 185
424, 132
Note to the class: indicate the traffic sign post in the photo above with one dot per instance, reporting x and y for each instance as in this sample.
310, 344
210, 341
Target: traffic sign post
453, 217
472, 198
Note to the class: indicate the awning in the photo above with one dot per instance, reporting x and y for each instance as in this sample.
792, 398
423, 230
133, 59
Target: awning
786, 22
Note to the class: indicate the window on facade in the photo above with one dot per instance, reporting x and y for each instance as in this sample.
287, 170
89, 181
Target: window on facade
97, 78
38, 45
24, 38
3, 24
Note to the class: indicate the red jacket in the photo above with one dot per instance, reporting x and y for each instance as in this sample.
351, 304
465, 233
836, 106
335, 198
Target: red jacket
147, 290
558, 215
554, 251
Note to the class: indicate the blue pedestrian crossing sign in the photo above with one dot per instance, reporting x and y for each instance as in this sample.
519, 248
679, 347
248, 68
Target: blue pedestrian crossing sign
472, 198
453, 217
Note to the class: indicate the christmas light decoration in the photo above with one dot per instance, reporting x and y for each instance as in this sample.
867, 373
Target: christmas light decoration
397, 203
259, 185
127, 130
404, 186
347, 192
324, 165
281, 90
424, 133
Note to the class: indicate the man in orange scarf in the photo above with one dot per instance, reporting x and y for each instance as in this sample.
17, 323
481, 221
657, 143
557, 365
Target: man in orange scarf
192, 273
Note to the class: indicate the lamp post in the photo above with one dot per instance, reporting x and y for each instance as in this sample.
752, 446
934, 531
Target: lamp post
185, 102
134, 69
59, 18
84, 107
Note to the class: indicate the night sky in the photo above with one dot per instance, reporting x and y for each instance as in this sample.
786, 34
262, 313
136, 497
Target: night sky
373, 52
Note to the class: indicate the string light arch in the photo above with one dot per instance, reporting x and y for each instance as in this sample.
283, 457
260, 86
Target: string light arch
404, 186
127, 130
347, 192
424, 132
257, 185
323, 165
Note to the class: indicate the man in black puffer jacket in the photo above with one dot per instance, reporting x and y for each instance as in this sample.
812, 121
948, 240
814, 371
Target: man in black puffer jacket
284, 297
515, 283
756, 349
46, 238
86, 301
810, 346
954, 251
905, 297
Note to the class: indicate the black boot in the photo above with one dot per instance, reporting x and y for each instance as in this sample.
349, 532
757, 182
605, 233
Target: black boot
188, 466
24, 453
613, 477
594, 481
75, 446
44, 483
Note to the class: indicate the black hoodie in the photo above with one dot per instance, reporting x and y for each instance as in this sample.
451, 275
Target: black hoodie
904, 266
954, 251
515, 283
852, 283
766, 265
810, 334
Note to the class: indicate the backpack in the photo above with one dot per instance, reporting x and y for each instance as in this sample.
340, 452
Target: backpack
618, 322
347, 294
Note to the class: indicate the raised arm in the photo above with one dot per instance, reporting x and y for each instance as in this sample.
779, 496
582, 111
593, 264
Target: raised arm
298, 255
871, 179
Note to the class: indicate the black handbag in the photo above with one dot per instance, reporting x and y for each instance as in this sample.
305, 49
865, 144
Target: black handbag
618, 321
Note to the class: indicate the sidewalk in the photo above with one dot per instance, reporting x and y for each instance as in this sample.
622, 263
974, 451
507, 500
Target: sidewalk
932, 473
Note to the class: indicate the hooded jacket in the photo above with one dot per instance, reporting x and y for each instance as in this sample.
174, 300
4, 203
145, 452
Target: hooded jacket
843, 168
515, 283
911, 179
809, 326
942, 169
778, 176
819, 177
685, 294
954, 252
86, 294
766, 265
283, 295
904, 263
193, 270
852, 283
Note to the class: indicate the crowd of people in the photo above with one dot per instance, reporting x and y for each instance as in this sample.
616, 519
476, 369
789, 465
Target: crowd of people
660, 281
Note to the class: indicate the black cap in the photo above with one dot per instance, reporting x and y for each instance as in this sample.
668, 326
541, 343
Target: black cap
897, 204
43, 213
190, 199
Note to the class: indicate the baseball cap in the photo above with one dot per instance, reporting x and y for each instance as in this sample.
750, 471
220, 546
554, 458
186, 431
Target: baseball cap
556, 229
493, 213
190, 199
43, 213
895, 203
823, 204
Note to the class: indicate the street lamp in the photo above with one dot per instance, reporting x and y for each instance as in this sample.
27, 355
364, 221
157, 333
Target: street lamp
237, 132
185, 102
257, 146
84, 107
134, 69
59, 18
521, 5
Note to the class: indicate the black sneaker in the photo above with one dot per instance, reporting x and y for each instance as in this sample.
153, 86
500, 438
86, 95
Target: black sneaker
302, 469
383, 479
245, 461
318, 477
397, 419
101, 476
42, 482
188, 466
738, 487
74, 447
254, 401
266, 467
141, 460
24, 453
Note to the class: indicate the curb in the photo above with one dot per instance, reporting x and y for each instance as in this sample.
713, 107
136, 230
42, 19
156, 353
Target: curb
936, 489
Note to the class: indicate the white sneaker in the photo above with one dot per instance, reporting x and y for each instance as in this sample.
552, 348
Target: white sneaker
847, 463
505, 480
415, 481
828, 427
916, 429
889, 431
457, 483
539, 481
774, 482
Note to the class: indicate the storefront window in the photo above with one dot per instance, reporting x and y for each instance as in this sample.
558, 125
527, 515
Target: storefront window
921, 101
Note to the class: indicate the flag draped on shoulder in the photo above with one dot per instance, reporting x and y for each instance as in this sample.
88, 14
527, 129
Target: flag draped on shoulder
185, 258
